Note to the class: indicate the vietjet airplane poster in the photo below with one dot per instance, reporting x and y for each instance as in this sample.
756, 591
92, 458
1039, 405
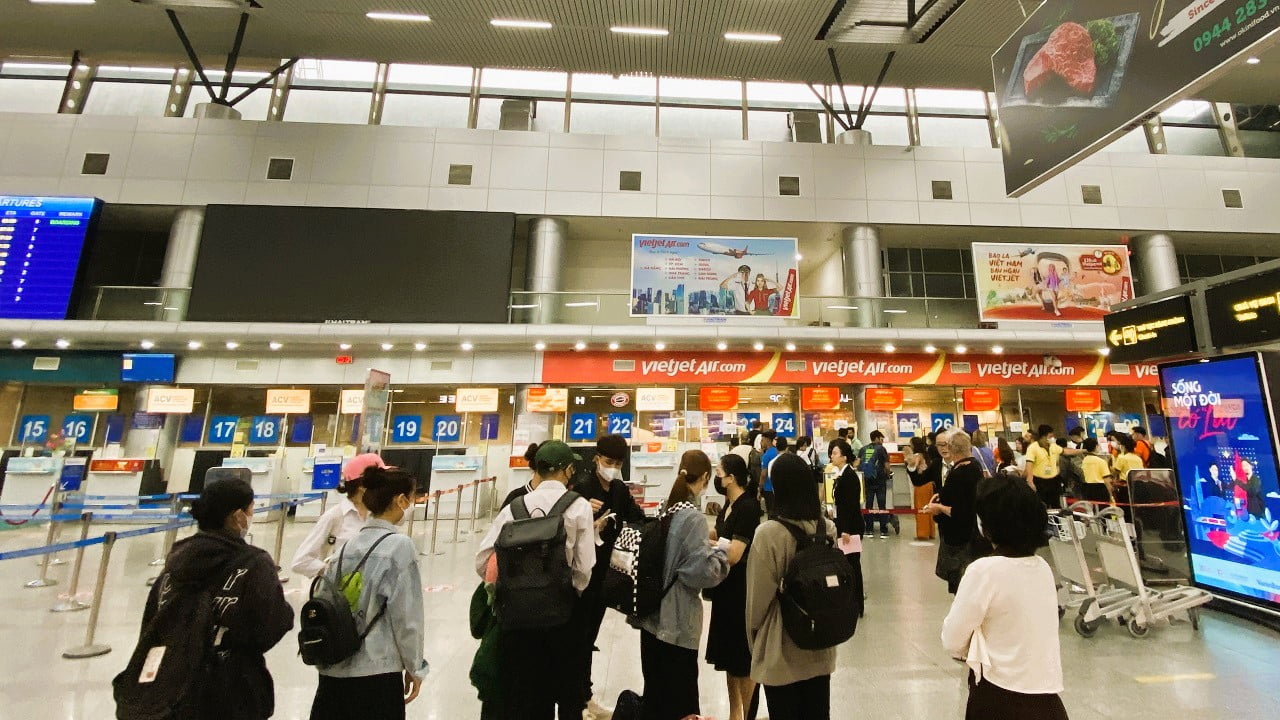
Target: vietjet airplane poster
688, 275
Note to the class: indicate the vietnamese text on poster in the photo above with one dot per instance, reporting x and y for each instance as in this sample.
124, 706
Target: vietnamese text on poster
727, 276
1051, 283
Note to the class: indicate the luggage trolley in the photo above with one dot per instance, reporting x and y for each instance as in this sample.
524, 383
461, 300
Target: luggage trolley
1074, 550
1116, 546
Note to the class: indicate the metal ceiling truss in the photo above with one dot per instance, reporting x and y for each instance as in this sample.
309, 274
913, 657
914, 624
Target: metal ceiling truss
886, 21
221, 96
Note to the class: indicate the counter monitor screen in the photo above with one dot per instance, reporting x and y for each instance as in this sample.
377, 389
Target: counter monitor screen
147, 368
42, 240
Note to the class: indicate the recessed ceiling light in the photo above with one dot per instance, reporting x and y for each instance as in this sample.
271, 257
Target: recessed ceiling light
579, 346
195, 345
622, 30
930, 349
1253, 61
63, 2
997, 349
895, 312
388, 346
1104, 351
344, 346
752, 37
791, 347
758, 346
888, 347
539, 346
232, 344
19, 343
274, 345
659, 346
419, 346
722, 345
961, 349
828, 347
799, 257
613, 346
524, 24
401, 17
467, 347
145, 344
62, 343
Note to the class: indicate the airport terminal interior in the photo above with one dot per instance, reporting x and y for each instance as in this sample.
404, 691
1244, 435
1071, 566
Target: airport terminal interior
247, 243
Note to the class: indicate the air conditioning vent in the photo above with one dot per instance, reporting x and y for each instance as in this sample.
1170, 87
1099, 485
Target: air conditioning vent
962, 368
1232, 199
459, 174
441, 366
796, 365
95, 164
246, 366
1091, 194
942, 190
280, 169
788, 186
624, 365
1119, 369
629, 180
46, 364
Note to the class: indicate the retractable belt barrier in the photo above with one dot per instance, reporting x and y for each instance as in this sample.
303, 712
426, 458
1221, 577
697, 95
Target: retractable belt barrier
433, 499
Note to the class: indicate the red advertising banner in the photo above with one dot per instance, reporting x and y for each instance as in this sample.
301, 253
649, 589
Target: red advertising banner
718, 368
715, 398
882, 399
981, 399
1081, 400
820, 398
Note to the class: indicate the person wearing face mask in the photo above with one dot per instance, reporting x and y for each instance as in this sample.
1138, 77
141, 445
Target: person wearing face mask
669, 638
339, 523
612, 505
386, 673
251, 612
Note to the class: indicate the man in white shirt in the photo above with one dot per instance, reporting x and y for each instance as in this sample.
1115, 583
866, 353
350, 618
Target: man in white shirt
739, 284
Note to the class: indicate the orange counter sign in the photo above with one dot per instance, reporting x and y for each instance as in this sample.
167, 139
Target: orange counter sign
981, 399
718, 398
1080, 400
820, 398
96, 400
882, 399
547, 400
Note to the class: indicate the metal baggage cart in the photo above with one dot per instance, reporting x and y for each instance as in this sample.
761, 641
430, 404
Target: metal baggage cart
1083, 585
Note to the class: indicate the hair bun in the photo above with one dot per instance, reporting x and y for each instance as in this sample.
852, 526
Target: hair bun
198, 507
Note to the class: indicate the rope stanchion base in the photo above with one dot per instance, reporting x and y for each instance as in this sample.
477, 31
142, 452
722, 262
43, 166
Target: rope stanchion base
87, 651
68, 605
40, 583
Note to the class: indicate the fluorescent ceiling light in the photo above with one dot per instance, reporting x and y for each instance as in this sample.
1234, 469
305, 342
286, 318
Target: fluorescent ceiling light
722, 345
195, 345
63, 2
274, 345
232, 344
523, 307
842, 307
399, 17
930, 349
579, 346
388, 346
467, 347
758, 346
582, 304
753, 37
539, 346
888, 347
419, 346
961, 349
613, 346
829, 347
19, 343
659, 346
63, 343
997, 349
622, 30
344, 346
896, 312
145, 344
791, 347
222, 4
523, 24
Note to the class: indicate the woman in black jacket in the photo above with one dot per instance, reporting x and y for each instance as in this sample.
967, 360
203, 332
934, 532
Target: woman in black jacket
850, 525
954, 508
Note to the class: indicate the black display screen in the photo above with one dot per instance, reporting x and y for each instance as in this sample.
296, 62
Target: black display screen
340, 265
1159, 330
1246, 311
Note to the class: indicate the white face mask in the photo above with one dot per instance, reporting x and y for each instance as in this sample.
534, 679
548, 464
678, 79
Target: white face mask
609, 473
404, 517
248, 523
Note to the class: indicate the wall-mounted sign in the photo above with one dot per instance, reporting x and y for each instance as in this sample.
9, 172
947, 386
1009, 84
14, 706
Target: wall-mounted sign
117, 466
406, 428
941, 421
352, 402
446, 428
717, 398
883, 399
170, 400
104, 400
33, 428
1083, 400
77, 427
620, 424
702, 276
582, 426
222, 429
820, 398
1156, 331
481, 400
265, 430
908, 424
1245, 311
656, 399
284, 401
373, 416
326, 472
547, 399
1049, 283
981, 399
620, 399
489, 423
784, 424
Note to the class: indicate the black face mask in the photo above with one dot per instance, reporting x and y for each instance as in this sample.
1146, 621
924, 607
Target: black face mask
718, 482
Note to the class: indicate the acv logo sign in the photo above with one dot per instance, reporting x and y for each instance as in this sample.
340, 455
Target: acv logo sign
620, 399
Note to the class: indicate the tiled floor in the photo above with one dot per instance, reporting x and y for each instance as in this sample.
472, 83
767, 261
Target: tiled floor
893, 667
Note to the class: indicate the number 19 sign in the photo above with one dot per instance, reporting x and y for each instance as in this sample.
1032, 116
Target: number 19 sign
406, 428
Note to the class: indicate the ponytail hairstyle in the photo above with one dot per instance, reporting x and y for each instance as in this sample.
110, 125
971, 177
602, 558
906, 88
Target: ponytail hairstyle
530, 453
353, 471
383, 485
693, 465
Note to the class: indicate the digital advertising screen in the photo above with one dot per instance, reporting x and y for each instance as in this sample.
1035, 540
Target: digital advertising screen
1222, 433
147, 368
728, 276
42, 240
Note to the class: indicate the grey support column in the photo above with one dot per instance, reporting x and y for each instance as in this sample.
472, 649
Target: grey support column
865, 418
1157, 263
180, 259
543, 265
216, 111
863, 272
854, 137
158, 444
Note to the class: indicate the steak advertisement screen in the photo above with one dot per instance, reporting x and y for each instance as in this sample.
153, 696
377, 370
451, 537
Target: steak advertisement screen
352, 265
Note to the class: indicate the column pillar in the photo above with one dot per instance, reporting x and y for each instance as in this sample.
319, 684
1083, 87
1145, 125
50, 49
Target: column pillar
1156, 262
863, 272
863, 417
180, 260
543, 265
216, 111
854, 137
158, 444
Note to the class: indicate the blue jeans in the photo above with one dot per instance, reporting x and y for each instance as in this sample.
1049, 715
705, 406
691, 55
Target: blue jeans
877, 497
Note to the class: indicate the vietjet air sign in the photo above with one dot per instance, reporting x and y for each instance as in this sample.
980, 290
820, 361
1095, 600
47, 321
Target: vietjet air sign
718, 368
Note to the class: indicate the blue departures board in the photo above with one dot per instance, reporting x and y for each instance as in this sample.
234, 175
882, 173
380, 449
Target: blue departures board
41, 242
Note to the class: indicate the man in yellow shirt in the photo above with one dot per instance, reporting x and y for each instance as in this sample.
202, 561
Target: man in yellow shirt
1096, 473
1042, 467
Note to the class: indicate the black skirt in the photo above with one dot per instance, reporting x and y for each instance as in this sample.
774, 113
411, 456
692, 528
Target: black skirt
992, 702
727, 648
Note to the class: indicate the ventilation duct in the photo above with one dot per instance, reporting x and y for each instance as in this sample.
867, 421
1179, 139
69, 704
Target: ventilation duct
517, 115
805, 126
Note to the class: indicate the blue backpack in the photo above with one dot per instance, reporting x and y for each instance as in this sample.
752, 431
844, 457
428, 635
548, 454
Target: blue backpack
867, 468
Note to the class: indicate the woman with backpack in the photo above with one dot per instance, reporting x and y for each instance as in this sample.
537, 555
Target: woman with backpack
669, 638
339, 523
377, 572
797, 682
727, 648
170, 671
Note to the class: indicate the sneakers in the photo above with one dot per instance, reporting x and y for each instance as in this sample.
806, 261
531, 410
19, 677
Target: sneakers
882, 536
596, 711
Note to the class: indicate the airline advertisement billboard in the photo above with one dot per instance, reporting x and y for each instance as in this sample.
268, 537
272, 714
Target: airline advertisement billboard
690, 276
1050, 283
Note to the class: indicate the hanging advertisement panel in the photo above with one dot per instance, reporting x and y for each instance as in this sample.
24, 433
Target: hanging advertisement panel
1050, 283
690, 275
1080, 73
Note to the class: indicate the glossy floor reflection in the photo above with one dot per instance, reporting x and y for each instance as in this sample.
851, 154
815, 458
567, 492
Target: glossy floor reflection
893, 668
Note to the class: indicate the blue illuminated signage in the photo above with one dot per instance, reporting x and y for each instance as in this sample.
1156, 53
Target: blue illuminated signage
41, 242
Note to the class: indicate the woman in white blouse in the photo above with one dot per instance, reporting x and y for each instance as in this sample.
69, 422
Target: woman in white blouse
1004, 620
339, 523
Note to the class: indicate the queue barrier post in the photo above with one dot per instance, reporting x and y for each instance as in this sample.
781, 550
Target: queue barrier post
175, 509
475, 503
275, 557
413, 509
90, 648
457, 514
69, 602
59, 499
435, 521
43, 580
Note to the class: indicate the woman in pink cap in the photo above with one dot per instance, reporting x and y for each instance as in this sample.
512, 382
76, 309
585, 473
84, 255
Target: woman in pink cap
340, 522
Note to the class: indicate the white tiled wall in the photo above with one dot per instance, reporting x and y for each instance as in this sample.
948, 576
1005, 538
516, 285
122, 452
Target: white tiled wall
187, 161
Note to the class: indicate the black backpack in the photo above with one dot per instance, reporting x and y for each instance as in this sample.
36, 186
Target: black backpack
171, 665
633, 584
1158, 459
328, 633
820, 597
535, 583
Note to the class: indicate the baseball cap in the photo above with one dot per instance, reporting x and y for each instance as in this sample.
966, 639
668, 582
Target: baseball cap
555, 455
356, 466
